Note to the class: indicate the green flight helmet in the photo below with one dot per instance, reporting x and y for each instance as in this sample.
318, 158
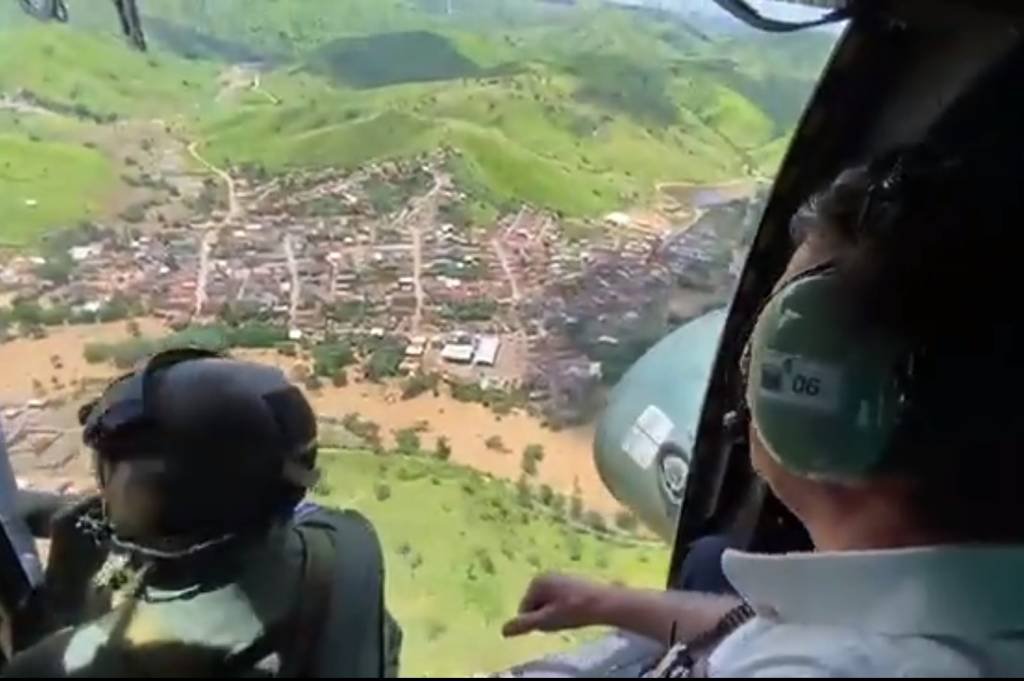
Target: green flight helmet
824, 396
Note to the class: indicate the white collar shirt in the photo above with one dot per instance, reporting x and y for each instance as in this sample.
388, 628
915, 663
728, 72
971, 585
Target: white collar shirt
931, 612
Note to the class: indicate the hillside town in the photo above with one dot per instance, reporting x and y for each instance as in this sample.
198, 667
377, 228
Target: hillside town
389, 250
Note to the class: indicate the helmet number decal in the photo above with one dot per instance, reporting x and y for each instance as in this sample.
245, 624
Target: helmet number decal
796, 380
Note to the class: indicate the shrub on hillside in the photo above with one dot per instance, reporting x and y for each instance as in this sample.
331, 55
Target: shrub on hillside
524, 495
575, 547
546, 495
443, 451
576, 508
382, 491
486, 562
407, 442
595, 521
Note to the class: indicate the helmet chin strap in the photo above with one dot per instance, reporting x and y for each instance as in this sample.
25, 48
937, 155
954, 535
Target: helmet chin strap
157, 553
101, 529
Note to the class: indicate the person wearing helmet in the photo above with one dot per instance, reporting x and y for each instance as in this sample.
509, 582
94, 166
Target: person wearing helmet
882, 389
212, 563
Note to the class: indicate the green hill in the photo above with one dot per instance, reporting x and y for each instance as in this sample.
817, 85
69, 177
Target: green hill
538, 136
392, 58
45, 183
460, 549
102, 77
579, 108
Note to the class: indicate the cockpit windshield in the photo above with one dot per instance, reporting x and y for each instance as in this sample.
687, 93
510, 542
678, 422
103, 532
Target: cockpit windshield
457, 224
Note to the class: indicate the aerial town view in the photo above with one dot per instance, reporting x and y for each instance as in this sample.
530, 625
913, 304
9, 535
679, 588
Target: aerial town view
455, 255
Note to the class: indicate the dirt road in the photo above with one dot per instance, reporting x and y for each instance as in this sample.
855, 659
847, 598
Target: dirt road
210, 237
423, 210
499, 250
293, 270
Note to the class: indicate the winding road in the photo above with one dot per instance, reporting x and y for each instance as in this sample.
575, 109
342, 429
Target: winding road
210, 237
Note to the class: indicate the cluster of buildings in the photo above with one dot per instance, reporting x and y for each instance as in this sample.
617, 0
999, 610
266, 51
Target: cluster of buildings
328, 253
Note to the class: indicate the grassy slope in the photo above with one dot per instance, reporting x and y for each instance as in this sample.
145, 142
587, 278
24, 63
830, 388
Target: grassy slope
448, 516
41, 154
561, 128
76, 67
585, 118
68, 183
525, 137
768, 158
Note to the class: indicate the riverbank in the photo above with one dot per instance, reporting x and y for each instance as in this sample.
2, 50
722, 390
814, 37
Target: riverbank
54, 369
568, 459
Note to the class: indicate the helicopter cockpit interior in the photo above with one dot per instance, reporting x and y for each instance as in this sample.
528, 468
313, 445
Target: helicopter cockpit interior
673, 462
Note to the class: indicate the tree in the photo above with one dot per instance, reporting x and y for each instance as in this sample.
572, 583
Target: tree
532, 455
535, 452
546, 495
407, 442
443, 450
495, 444
385, 361
576, 505
57, 269
524, 495
529, 465
595, 521
340, 379
383, 491
133, 329
329, 358
27, 312
419, 383
313, 383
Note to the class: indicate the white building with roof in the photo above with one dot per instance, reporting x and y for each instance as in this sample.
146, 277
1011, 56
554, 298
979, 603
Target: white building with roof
487, 348
458, 353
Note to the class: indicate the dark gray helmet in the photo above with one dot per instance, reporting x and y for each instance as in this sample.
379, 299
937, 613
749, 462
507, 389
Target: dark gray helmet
214, 446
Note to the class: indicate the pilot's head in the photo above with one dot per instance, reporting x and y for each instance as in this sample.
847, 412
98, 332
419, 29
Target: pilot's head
884, 372
194, 447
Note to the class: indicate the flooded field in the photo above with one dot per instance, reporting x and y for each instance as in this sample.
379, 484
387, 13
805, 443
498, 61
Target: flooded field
57, 360
54, 369
568, 453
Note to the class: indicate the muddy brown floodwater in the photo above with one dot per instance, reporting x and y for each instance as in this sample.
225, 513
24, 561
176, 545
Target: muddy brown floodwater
568, 453
568, 459
59, 356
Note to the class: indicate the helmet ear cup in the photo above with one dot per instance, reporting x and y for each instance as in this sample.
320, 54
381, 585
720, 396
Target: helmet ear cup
824, 394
